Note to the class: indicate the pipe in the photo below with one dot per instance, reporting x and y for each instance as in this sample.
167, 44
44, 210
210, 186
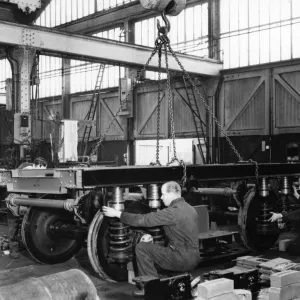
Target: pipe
50, 203
215, 191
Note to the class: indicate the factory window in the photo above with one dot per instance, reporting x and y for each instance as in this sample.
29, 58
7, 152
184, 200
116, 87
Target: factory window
50, 76
107, 4
259, 31
84, 74
5, 73
62, 11
188, 34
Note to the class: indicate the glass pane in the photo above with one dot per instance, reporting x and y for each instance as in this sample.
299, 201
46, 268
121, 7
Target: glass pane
295, 41
243, 14
244, 48
234, 52
224, 16
254, 48
275, 44
285, 9
234, 15
68, 10
225, 52
138, 33
264, 10
253, 13
264, 46
63, 12
286, 41
275, 11
204, 18
189, 16
296, 8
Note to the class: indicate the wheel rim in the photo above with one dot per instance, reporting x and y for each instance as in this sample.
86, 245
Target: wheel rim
247, 220
98, 244
98, 247
43, 246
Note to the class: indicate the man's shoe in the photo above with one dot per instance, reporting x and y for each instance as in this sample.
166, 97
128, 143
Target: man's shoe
139, 293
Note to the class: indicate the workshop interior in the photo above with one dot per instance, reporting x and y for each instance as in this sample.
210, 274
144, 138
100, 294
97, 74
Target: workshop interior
102, 102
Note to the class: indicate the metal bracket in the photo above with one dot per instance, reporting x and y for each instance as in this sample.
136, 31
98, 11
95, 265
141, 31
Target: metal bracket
28, 6
30, 38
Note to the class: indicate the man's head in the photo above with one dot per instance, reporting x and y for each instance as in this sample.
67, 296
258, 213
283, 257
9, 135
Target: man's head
40, 163
170, 191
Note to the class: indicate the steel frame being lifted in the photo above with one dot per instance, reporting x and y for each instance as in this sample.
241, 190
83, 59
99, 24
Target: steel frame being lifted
60, 181
53, 42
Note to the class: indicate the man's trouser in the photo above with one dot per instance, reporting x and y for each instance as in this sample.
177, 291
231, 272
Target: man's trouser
294, 247
151, 256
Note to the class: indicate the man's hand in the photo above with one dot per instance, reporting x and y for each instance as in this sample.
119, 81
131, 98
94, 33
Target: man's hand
111, 212
275, 217
296, 194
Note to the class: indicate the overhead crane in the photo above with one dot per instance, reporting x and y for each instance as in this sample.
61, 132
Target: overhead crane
62, 205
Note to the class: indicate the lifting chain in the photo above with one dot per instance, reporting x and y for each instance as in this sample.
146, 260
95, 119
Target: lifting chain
158, 106
123, 102
240, 159
163, 40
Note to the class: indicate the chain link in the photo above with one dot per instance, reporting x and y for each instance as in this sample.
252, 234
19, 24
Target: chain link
170, 101
122, 103
158, 106
206, 105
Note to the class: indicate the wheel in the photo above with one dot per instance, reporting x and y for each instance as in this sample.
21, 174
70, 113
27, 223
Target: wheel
98, 244
249, 219
41, 244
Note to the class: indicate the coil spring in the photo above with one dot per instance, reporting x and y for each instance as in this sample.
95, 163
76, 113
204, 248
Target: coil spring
120, 242
158, 235
265, 227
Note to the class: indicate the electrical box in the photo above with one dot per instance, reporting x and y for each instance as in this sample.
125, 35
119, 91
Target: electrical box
124, 88
22, 128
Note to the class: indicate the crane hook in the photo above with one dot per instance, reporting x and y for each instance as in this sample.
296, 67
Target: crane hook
164, 29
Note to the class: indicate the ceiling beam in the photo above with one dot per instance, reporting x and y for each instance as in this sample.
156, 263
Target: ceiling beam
112, 18
49, 40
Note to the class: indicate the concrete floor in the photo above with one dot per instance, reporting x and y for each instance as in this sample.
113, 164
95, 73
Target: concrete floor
17, 270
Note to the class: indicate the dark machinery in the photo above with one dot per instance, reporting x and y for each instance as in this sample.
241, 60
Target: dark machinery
66, 209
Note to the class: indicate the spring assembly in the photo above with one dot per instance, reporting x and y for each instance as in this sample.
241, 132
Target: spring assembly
153, 196
119, 233
263, 189
265, 227
287, 200
286, 186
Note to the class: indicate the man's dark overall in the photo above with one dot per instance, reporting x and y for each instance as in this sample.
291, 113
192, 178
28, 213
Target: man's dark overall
293, 217
181, 224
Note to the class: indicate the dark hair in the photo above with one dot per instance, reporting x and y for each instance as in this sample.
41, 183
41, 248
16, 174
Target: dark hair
173, 187
40, 161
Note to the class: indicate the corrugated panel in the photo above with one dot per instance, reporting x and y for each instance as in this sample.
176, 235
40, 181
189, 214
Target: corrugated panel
108, 107
245, 103
252, 117
287, 100
80, 108
184, 125
146, 113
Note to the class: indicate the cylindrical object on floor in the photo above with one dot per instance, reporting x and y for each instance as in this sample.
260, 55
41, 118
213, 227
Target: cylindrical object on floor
68, 285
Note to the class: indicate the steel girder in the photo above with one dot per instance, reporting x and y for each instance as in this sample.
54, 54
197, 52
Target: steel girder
51, 41
59, 181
